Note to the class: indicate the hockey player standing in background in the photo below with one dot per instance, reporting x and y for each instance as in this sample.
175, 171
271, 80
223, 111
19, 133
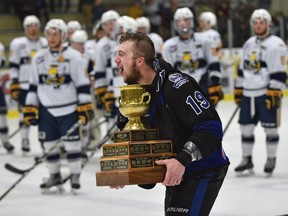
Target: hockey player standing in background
4, 130
207, 21
22, 50
59, 94
193, 54
258, 89
78, 41
143, 25
103, 70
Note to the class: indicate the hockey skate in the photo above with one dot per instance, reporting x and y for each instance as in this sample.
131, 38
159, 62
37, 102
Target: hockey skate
270, 166
246, 164
25, 145
54, 180
75, 184
9, 147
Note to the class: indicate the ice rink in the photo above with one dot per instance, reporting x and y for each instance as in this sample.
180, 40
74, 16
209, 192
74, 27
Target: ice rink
250, 195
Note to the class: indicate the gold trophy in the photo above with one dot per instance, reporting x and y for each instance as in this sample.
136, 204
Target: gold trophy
131, 159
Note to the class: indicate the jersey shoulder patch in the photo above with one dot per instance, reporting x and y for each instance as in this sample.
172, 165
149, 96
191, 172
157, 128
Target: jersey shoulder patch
178, 80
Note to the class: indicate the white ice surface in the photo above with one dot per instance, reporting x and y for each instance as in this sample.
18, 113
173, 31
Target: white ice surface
249, 195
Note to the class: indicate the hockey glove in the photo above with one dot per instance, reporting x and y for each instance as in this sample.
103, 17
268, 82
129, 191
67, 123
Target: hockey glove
15, 89
215, 94
110, 102
30, 115
85, 112
100, 96
238, 93
273, 98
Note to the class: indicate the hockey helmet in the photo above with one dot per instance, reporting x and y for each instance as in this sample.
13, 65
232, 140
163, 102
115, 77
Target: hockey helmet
31, 19
261, 14
208, 18
182, 14
73, 25
109, 15
79, 36
143, 22
126, 23
57, 24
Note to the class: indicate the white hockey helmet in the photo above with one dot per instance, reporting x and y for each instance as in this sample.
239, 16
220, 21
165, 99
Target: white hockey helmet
31, 19
208, 18
181, 14
96, 27
109, 15
126, 23
57, 24
73, 25
79, 36
143, 22
261, 14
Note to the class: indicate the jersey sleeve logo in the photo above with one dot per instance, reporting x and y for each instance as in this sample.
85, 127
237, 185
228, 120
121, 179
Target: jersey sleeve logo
178, 80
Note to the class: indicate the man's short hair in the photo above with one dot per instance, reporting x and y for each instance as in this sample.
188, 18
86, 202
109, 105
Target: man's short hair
144, 47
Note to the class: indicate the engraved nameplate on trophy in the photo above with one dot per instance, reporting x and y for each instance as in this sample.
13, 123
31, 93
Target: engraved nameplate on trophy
131, 159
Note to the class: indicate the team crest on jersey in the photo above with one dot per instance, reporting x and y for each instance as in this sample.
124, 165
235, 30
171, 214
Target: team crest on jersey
187, 62
177, 79
253, 63
54, 78
32, 53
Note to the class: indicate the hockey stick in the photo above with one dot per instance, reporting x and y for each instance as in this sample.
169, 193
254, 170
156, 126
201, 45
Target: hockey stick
100, 144
15, 132
40, 159
26, 172
231, 118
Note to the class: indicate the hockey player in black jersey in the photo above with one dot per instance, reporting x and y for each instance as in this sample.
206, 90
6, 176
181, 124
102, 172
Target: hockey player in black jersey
182, 113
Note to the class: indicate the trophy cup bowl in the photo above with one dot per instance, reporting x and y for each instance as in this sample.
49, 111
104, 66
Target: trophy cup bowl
134, 103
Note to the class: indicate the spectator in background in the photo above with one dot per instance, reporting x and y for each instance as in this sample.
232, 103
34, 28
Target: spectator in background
135, 10
59, 5
152, 12
85, 6
98, 9
42, 11
24, 8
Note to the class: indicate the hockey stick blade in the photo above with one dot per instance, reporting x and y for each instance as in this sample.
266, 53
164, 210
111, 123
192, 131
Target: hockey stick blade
15, 170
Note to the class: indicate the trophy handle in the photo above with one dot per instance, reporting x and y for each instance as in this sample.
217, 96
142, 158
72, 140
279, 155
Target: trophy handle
119, 100
146, 95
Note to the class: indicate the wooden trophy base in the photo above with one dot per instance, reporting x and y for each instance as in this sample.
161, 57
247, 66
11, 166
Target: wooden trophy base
131, 177
132, 158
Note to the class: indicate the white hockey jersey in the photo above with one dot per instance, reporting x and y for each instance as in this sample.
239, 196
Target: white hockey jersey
58, 81
215, 38
158, 42
22, 50
193, 56
102, 61
262, 65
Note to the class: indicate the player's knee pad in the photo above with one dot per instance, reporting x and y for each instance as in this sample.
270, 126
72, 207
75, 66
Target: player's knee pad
3, 120
72, 146
271, 134
53, 150
247, 130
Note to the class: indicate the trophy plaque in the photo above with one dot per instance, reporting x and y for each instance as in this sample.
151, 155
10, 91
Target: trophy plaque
131, 158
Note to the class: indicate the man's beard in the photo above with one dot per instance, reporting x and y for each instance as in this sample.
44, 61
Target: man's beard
262, 33
135, 76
